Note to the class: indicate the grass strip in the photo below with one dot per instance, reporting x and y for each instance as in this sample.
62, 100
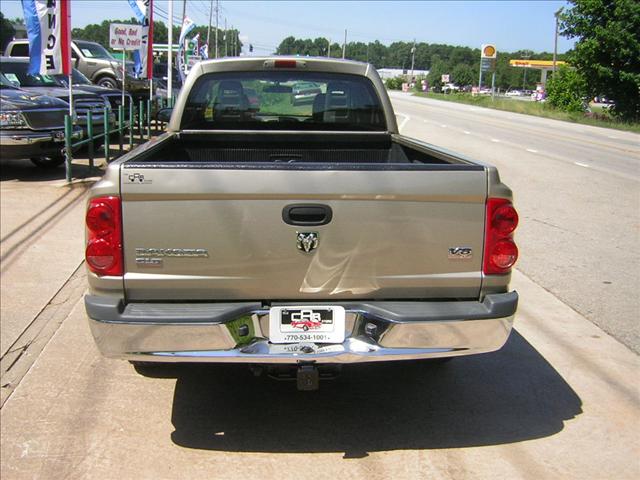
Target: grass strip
535, 108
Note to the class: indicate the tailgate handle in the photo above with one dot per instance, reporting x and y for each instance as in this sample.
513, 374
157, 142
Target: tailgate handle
307, 214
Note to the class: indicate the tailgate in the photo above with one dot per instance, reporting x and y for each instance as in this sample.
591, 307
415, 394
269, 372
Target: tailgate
219, 234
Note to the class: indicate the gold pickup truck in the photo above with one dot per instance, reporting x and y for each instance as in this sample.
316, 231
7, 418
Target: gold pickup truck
270, 232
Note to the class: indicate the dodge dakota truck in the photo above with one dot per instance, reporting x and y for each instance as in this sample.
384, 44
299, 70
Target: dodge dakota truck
305, 235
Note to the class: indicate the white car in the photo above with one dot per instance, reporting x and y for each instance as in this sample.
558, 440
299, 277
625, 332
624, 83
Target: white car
513, 93
450, 87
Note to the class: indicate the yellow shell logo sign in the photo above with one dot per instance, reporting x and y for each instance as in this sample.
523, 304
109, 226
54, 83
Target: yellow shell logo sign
489, 51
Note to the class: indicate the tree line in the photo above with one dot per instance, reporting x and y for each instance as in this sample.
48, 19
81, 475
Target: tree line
227, 44
461, 63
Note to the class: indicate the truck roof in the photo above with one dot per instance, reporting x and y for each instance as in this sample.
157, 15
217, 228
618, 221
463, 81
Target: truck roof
310, 64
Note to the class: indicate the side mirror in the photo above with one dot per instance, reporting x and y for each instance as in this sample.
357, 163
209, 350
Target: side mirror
164, 114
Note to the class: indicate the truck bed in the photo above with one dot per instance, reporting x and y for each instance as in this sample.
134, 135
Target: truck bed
296, 149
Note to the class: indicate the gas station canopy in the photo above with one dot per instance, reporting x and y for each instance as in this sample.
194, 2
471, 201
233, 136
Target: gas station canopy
544, 65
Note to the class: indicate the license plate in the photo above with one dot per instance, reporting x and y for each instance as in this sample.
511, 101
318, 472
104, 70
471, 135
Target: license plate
293, 324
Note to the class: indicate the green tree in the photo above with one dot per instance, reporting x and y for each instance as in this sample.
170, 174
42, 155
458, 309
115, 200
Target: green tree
607, 51
567, 90
6, 32
463, 74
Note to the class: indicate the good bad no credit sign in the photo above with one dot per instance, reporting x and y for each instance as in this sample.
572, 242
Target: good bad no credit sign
125, 37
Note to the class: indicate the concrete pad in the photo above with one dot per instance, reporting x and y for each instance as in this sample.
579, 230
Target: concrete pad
560, 400
41, 242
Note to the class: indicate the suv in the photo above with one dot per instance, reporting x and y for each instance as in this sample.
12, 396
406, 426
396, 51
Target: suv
95, 62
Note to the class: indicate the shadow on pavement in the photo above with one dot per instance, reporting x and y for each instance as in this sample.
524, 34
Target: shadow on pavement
508, 396
26, 171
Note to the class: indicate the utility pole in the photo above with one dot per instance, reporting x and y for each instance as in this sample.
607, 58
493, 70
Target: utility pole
209, 28
184, 9
329, 49
368, 52
555, 41
413, 58
170, 53
344, 45
217, 9
225, 38
233, 48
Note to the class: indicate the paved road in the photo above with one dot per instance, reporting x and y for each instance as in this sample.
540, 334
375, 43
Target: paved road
577, 189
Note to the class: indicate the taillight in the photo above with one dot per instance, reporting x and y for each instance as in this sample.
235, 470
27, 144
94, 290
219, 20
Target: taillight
500, 251
104, 236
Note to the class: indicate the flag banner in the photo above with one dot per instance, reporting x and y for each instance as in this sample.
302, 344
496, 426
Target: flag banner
187, 26
139, 8
204, 51
48, 25
143, 58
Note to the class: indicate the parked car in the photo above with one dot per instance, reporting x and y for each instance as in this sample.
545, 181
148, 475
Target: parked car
32, 126
513, 93
450, 88
16, 71
96, 63
83, 84
160, 80
304, 92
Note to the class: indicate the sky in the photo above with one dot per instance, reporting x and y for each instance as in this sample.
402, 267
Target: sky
510, 25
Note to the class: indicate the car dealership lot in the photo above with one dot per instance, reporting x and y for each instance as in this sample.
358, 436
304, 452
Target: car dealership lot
560, 400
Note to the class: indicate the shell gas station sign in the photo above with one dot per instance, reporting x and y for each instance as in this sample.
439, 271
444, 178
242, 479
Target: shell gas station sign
489, 51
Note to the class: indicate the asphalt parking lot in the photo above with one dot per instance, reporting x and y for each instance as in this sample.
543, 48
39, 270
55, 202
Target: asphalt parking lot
560, 400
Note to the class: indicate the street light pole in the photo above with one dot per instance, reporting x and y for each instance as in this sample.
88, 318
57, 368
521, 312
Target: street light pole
344, 45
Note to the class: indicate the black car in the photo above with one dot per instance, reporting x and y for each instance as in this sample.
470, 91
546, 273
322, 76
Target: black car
16, 71
160, 80
32, 126
83, 84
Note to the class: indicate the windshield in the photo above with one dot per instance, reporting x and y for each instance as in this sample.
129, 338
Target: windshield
94, 50
16, 72
283, 101
77, 78
5, 83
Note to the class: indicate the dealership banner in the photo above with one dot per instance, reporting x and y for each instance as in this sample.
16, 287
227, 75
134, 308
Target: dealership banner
187, 26
143, 58
48, 24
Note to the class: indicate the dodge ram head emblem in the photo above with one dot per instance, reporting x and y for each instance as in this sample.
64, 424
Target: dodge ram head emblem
307, 241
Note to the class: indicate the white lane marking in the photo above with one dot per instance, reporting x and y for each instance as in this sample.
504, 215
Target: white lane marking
443, 126
532, 150
581, 164
495, 140
425, 121
467, 132
404, 122
611, 136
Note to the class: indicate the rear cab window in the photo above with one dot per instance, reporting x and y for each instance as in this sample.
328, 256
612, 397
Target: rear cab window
19, 50
283, 100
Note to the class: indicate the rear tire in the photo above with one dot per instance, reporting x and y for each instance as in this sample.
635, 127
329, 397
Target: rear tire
48, 162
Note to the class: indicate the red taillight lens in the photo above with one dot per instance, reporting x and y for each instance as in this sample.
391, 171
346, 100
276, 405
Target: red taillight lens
500, 251
505, 219
504, 254
104, 236
100, 218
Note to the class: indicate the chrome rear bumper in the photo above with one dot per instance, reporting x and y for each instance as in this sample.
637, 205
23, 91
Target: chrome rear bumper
238, 333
